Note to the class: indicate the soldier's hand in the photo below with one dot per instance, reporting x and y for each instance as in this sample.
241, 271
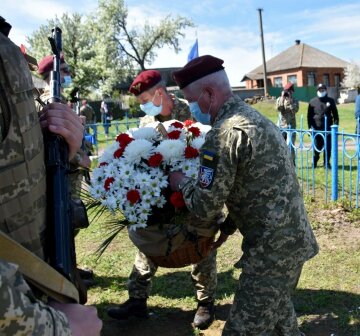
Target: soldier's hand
61, 119
83, 320
221, 240
175, 178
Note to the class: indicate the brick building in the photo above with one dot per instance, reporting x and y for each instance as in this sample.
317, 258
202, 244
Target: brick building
300, 64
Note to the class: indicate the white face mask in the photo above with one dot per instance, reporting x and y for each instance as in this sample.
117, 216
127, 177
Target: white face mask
321, 94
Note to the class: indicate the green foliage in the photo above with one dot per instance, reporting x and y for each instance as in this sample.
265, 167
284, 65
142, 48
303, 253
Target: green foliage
101, 48
139, 45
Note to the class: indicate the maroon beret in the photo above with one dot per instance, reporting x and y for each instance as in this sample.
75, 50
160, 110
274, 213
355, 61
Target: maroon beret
197, 68
145, 80
289, 86
47, 63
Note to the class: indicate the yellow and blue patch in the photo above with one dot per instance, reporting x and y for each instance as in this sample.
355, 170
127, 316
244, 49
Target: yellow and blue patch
207, 169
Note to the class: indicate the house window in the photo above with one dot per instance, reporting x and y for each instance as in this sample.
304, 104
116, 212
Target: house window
311, 76
326, 79
278, 82
337, 80
292, 79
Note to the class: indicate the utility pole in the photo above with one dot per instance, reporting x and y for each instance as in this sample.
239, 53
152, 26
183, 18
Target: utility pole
263, 52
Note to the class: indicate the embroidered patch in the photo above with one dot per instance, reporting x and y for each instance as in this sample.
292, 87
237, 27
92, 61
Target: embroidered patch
207, 170
206, 176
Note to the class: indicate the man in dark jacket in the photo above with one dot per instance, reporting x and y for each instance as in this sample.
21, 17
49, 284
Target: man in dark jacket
320, 107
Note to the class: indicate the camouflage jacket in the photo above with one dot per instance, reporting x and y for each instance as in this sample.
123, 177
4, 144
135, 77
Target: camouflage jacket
180, 112
153, 240
21, 313
246, 164
287, 108
22, 196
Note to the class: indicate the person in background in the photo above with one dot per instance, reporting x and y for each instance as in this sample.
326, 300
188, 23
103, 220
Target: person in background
22, 201
156, 102
320, 107
288, 106
245, 164
106, 115
89, 113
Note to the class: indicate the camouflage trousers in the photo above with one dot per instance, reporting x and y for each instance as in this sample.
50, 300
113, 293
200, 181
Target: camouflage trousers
203, 275
262, 306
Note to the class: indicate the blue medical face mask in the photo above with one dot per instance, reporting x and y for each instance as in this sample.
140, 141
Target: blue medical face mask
66, 82
195, 110
321, 94
150, 109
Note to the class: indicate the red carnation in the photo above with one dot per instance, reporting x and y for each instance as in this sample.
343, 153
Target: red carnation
103, 164
177, 199
174, 135
124, 139
191, 152
195, 131
155, 160
133, 196
177, 124
119, 152
107, 183
188, 123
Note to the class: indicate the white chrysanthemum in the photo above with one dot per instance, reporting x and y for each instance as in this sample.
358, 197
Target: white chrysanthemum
171, 149
203, 128
167, 124
137, 150
147, 133
108, 154
198, 142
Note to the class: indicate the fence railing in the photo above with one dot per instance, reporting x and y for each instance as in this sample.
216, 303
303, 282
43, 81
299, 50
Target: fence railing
326, 162
335, 175
99, 135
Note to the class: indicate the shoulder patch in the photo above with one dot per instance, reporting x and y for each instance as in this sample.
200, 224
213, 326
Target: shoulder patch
207, 169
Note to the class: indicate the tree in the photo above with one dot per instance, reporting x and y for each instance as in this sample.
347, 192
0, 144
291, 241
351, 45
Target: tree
352, 76
76, 40
140, 45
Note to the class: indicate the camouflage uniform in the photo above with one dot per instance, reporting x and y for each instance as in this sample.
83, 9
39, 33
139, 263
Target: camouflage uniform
203, 274
288, 107
22, 195
246, 165
21, 313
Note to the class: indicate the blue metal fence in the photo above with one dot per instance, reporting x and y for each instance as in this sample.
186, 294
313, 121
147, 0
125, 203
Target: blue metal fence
98, 134
333, 178
340, 179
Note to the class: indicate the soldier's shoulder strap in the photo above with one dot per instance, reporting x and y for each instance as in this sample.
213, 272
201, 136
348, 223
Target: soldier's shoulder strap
37, 271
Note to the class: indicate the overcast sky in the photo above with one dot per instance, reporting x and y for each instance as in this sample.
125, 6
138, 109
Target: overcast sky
228, 29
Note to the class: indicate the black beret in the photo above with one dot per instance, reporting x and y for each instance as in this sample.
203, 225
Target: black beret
321, 86
144, 81
197, 68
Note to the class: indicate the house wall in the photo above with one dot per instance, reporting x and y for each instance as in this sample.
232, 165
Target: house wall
302, 76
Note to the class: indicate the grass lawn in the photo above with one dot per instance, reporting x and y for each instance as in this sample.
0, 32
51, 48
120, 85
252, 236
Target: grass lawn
327, 299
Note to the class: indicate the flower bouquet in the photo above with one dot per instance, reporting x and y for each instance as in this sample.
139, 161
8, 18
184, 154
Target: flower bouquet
132, 174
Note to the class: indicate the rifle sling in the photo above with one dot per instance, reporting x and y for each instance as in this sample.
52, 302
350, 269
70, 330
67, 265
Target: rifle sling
37, 271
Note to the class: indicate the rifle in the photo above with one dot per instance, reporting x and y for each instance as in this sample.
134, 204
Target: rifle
61, 243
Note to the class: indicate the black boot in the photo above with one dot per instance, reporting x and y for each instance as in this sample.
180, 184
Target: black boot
205, 315
131, 307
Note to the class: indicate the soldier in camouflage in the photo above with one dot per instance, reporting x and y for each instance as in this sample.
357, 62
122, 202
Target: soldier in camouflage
150, 90
245, 164
23, 199
81, 159
287, 105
